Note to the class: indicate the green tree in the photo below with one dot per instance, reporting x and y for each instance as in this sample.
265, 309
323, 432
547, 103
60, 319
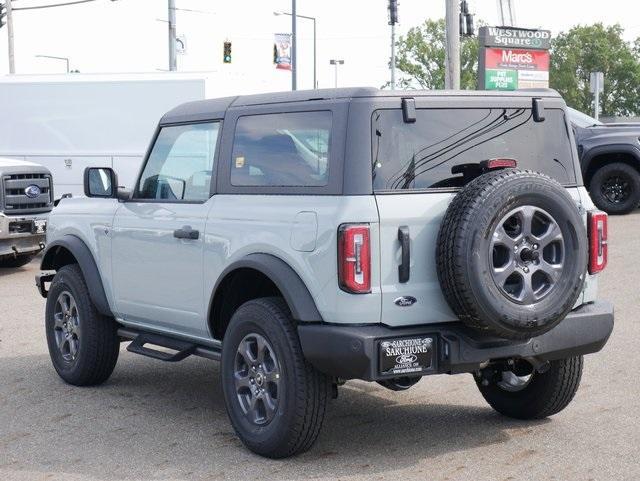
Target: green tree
420, 58
585, 49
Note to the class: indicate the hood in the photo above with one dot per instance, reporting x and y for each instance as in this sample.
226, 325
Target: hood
15, 166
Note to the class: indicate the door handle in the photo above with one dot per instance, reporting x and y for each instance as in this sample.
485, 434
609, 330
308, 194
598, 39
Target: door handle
404, 269
186, 233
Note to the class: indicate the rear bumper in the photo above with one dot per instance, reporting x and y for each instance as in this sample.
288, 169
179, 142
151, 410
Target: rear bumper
351, 352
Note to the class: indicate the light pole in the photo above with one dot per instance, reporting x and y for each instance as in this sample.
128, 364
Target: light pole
315, 81
335, 63
66, 59
10, 9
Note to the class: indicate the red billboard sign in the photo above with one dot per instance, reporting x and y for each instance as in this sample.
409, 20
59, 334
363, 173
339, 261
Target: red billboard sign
500, 58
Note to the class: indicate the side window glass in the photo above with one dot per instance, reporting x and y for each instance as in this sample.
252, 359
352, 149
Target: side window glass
283, 150
180, 164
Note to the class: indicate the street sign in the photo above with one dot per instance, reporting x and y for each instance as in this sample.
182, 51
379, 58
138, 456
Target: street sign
181, 44
515, 37
283, 50
596, 82
513, 58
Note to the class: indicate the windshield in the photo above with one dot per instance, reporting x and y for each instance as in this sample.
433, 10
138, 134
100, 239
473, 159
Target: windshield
581, 120
445, 148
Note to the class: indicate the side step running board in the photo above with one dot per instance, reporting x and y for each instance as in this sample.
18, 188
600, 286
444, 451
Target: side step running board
183, 349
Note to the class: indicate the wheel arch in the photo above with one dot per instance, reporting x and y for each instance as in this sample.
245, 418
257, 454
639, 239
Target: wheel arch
604, 154
262, 275
70, 249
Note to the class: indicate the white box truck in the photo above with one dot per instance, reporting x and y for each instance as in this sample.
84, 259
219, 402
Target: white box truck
69, 122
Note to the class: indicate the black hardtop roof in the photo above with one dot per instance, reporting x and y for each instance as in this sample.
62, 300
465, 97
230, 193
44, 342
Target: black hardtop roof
216, 108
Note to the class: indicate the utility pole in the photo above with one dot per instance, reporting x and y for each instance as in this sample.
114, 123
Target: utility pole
173, 64
294, 45
452, 53
507, 13
335, 63
12, 62
596, 85
393, 19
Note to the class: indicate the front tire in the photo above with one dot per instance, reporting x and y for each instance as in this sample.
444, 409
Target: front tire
615, 188
83, 344
537, 395
275, 399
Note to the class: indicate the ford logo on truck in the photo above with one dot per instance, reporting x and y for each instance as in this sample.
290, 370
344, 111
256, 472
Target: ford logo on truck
406, 358
32, 191
405, 301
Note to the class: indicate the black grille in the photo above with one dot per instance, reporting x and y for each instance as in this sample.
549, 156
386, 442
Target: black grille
16, 201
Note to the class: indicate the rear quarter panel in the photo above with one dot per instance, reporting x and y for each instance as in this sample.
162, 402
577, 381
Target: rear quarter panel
239, 225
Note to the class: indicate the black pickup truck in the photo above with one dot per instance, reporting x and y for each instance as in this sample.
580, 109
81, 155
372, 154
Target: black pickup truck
610, 161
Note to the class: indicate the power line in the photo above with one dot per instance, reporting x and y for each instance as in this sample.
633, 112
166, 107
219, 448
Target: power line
37, 7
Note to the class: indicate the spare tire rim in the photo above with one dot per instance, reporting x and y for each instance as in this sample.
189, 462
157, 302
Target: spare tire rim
66, 326
257, 379
527, 254
616, 189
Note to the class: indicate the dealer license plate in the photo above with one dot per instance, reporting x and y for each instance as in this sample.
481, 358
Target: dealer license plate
40, 226
406, 355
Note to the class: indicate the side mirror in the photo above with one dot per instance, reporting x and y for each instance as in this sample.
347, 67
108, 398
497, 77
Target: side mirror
100, 182
537, 107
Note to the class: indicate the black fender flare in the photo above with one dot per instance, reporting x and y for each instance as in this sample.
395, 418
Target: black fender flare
593, 152
87, 264
287, 280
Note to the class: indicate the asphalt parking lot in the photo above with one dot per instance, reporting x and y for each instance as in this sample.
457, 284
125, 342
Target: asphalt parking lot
161, 421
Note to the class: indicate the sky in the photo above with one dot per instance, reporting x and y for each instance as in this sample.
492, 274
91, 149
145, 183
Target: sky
108, 36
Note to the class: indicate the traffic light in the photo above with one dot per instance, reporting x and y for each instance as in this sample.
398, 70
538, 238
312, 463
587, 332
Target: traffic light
3, 13
467, 28
226, 56
393, 12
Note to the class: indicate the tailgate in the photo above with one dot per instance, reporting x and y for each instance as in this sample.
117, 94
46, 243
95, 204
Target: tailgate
421, 214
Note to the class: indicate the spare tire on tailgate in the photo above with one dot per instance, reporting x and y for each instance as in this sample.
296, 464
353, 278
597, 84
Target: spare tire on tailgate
512, 253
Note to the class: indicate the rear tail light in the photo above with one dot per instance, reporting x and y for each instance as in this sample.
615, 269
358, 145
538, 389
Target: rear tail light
598, 246
354, 258
492, 164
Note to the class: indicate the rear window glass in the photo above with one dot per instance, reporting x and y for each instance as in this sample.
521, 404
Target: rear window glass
288, 149
436, 150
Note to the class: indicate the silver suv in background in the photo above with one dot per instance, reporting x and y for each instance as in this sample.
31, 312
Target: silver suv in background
308, 238
26, 198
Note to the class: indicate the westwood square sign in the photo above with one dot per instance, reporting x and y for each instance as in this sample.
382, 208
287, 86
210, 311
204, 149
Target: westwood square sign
513, 58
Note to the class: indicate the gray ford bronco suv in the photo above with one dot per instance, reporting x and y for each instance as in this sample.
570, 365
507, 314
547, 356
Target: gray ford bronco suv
308, 238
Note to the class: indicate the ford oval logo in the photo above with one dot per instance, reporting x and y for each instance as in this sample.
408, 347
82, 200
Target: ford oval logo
405, 301
406, 358
32, 191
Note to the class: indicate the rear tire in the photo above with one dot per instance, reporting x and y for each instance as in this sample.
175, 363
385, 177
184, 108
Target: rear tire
17, 261
615, 188
83, 344
261, 354
543, 395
